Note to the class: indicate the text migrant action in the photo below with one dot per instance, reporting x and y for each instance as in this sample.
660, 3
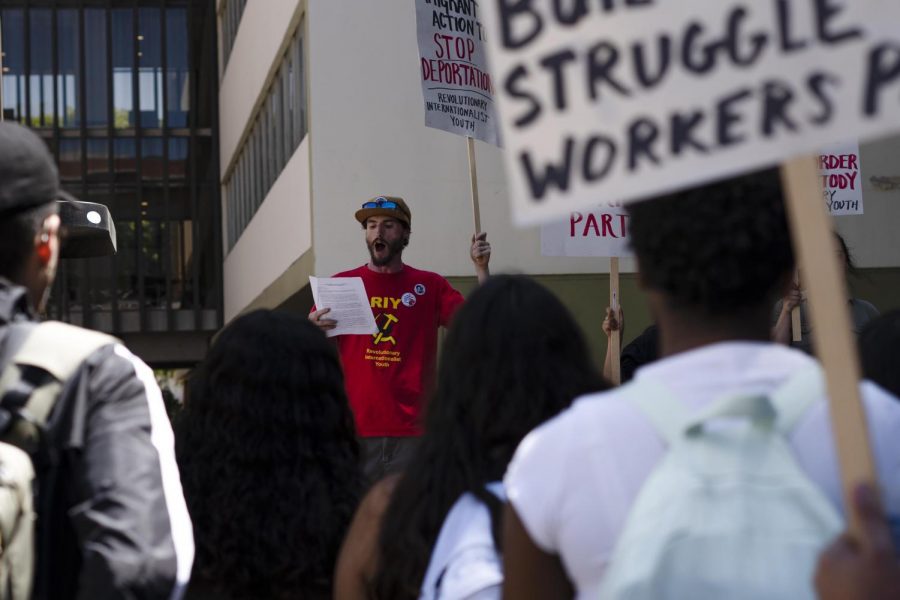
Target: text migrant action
460, 16
607, 69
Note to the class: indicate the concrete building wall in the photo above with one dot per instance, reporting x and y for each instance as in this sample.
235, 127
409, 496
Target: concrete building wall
873, 236
367, 137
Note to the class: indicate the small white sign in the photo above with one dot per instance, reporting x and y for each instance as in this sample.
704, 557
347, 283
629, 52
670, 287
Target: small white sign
841, 179
602, 231
457, 87
349, 304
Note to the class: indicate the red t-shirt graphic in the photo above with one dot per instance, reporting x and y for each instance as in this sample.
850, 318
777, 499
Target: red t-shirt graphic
387, 373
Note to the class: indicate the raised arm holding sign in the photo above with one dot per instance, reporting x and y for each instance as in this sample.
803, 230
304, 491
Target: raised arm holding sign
601, 232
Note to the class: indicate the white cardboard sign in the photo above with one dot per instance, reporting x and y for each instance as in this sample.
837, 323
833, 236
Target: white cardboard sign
457, 88
839, 167
626, 99
602, 232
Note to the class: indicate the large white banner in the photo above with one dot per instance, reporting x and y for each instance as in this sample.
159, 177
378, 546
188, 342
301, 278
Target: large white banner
601, 231
841, 179
624, 99
456, 85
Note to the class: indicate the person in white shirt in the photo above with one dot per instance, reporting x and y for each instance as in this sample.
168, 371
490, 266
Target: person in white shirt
712, 260
513, 358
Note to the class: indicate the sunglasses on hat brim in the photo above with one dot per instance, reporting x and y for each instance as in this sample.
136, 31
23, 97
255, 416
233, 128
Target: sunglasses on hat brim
381, 204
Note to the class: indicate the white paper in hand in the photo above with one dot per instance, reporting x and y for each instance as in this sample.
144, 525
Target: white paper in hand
349, 304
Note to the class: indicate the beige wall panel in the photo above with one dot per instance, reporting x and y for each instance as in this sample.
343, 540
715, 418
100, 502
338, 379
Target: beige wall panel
873, 236
277, 236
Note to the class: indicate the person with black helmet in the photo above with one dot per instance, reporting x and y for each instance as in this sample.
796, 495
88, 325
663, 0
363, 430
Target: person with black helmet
111, 517
388, 372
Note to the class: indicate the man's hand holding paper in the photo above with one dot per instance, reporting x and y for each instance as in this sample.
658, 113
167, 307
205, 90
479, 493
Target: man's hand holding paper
344, 301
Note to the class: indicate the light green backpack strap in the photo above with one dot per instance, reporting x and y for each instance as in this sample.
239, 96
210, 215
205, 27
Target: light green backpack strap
756, 408
57, 349
664, 411
783, 409
794, 398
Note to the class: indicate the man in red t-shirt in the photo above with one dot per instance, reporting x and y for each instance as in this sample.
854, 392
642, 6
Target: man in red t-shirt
387, 373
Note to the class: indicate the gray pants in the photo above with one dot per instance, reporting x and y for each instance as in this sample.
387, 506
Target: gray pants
385, 455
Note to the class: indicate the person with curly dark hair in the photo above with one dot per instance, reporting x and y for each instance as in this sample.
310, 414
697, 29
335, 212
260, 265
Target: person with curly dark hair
513, 358
269, 461
712, 261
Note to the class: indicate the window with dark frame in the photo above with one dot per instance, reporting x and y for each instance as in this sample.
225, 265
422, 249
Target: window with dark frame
277, 130
111, 86
232, 11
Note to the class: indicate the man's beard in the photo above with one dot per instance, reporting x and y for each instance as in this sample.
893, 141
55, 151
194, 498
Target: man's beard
393, 249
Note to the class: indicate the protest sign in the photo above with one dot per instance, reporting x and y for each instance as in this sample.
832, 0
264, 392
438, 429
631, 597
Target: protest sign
841, 179
602, 232
456, 85
630, 98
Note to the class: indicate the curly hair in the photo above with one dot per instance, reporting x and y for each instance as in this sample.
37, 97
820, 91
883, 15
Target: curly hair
717, 248
269, 459
513, 358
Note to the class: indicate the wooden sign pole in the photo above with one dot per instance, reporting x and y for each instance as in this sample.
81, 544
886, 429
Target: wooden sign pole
615, 337
796, 331
1, 74
473, 182
834, 342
